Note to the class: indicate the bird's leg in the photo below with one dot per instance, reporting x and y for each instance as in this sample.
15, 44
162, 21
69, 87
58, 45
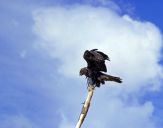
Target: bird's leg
90, 82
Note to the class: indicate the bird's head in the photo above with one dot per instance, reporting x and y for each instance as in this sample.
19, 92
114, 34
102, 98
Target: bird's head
83, 71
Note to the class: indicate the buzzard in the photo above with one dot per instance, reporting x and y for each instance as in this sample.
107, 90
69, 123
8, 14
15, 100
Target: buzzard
95, 66
95, 60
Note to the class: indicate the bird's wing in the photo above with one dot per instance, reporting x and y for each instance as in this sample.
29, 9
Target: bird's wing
97, 56
97, 66
94, 49
104, 55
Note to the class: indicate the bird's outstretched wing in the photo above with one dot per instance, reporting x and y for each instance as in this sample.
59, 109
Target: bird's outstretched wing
105, 57
94, 49
98, 55
96, 60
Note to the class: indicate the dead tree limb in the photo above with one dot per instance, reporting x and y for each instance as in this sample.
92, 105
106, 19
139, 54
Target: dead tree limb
85, 106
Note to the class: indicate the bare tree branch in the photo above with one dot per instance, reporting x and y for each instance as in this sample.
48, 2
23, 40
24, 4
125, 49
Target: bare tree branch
85, 107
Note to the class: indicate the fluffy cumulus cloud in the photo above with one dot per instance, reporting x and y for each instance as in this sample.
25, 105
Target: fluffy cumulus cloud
63, 33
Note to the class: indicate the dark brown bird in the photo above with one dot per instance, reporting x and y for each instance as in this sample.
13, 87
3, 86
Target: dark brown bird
95, 60
99, 77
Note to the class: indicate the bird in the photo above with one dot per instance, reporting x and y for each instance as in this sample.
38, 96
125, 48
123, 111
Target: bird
96, 60
98, 78
95, 67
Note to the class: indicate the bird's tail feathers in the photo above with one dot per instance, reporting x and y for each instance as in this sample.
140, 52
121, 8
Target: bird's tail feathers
106, 77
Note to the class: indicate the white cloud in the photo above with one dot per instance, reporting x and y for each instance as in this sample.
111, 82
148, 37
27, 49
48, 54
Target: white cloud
65, 123
134, 49
114, 113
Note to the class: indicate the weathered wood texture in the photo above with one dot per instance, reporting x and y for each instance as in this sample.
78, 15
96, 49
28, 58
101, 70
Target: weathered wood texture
85, 106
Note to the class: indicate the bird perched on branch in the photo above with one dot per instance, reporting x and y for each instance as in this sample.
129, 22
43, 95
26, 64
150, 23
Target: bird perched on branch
95, 65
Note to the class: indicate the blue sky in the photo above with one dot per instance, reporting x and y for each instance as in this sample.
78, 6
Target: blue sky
37, 93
